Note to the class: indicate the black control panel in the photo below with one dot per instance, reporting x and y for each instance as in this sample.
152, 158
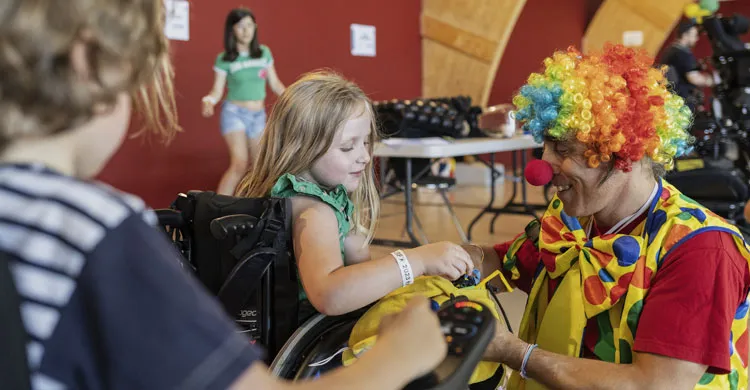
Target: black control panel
468, 328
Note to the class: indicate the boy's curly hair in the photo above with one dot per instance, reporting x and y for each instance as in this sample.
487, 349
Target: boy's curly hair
40, 92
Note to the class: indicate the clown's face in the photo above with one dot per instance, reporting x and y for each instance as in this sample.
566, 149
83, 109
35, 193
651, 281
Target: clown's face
583, 190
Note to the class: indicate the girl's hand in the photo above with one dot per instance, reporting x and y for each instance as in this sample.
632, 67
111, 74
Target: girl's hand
440, 259
208, 106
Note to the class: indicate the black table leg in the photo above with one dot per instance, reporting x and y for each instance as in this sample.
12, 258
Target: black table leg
382, 176
511, 206
409, 205
493, 179
414, 242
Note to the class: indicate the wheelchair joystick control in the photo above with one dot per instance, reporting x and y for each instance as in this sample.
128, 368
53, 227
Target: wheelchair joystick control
468, 328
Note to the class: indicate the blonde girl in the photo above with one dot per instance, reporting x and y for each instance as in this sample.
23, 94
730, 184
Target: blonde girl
317, 150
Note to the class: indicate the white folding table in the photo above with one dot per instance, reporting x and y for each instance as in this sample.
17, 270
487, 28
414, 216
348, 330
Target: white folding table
411, 149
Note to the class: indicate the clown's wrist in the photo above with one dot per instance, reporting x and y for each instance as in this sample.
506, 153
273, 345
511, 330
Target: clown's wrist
476, 253
507, 349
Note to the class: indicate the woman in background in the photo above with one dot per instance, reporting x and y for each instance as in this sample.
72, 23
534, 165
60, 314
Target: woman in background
243, 68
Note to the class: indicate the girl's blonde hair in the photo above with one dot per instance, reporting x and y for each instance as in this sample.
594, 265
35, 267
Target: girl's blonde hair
40, 91
300, 130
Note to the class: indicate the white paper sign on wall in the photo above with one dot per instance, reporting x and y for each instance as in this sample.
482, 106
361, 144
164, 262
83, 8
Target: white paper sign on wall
177, 23
363, 40
632, 38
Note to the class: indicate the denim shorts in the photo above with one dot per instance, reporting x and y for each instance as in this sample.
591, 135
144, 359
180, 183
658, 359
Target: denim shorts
237, 118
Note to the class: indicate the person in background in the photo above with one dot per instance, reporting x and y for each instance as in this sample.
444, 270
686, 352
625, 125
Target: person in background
244, 68
688, 77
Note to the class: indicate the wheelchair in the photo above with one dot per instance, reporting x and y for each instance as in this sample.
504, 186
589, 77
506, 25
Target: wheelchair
240, 250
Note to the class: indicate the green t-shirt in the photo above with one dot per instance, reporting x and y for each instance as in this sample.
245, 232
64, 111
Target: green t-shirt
289, 186
246, 76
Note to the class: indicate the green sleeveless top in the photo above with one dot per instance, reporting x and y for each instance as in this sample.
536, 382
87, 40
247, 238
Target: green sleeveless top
246, 76
288, 186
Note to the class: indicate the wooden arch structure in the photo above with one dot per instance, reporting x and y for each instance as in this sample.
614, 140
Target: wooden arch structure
464, 40
462, 44
651, 19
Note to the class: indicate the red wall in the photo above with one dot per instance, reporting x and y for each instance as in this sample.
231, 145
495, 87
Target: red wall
303, 36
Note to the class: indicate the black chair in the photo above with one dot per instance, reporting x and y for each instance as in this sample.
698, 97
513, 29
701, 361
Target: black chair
240, 250
716, 184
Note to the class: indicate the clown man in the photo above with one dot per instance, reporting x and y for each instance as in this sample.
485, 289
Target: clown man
631, 284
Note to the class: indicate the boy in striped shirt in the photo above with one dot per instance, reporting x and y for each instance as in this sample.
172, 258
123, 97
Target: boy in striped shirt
103, 300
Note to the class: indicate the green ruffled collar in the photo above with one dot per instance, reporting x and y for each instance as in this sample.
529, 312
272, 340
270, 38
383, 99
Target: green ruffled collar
337, 197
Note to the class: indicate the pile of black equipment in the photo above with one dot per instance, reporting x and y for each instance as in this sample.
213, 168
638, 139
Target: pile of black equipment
453, 117
716, 174
450, 117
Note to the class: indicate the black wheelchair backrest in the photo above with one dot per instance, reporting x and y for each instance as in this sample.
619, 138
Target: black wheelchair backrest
240, 249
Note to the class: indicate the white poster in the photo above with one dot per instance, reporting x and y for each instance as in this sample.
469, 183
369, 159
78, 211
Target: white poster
363, 40
177, 23
632, 38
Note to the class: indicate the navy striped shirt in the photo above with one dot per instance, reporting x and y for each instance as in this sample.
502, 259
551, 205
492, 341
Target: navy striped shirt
103, 298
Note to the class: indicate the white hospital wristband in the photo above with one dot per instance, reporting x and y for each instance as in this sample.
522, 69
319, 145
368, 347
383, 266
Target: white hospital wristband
407, 276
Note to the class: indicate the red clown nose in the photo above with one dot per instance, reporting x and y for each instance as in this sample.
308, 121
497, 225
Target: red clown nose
538, 172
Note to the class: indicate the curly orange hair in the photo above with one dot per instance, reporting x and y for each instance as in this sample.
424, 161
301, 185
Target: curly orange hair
615, 102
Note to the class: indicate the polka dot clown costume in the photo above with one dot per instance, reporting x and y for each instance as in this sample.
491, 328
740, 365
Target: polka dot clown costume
619, 106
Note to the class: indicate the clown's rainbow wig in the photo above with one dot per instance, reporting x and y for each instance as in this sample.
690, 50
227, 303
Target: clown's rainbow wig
614, 102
